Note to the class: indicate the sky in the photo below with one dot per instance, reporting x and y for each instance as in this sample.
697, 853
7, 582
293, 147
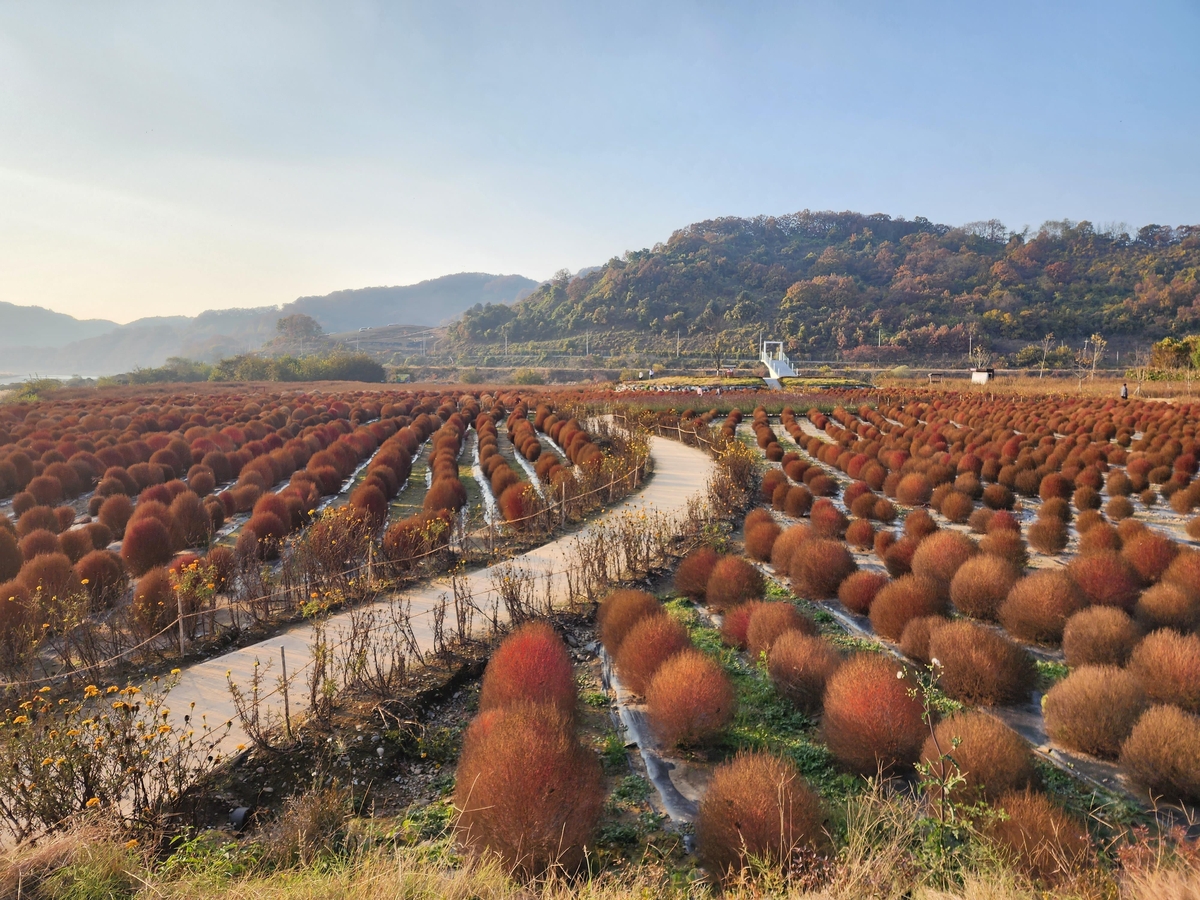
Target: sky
163, 159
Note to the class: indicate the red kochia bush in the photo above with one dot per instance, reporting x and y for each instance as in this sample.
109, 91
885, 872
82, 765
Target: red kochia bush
693, 572
799, 665
1168, 666
914, 490
526, 789
1038, 838
689, 700
914, 640
650, 643
757, 808
991, 757
733, 581
1099, 635
36, 543
1150, 554
1167, 605
858, 591
786, 545
11, 559
769, 621
1160, 754
531, 664
1038, 606
619, 612
115, 513
760, 539
49, 574
981, 667
147, 544
1094, 709
905, 599
870, 720
735, 622
861, 534
981, 584
939, 556
103, 577
1106, 579
819, 567
1048, 536
154, 604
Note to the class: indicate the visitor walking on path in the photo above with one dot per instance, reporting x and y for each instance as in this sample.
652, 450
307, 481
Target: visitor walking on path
1124, 392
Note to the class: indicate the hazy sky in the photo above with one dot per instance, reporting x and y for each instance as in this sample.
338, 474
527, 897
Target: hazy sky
165, 158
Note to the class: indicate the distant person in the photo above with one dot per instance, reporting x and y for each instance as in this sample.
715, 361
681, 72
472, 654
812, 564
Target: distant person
1124, 391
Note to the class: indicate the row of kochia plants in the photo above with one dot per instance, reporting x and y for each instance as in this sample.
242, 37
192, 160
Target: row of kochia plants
1122, 612
115, 505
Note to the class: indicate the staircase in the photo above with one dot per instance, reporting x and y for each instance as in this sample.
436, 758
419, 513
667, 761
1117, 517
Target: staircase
777, 363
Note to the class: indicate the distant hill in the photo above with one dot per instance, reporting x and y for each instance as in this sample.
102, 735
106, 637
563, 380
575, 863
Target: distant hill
39, 341
39, 327
868, 287
433, 302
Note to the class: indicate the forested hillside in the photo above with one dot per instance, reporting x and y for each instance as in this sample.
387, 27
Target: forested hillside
845, 282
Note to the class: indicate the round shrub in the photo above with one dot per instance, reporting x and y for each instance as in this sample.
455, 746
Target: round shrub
861, 534
1055, 485
526, 790
36, 543
768, 621
819, 567
1038, 838
799, 665
858, 591
827, 521
870, 721
897, 558
39, 518
735, 622
1106, 578
103, 578
619, 612
919, 524
650, 643
1151, 554
154, 605
11, 558
786, 545
981, 667
1101, 636
940, 555
1119, 508
689, 700
914, 640
957, 507
693, 572
998, 496
115, 513
760, 539
733, 581
1094, 709
981, 584
1167, 605
1168, 666
914, 490
903, 600
147, 544
1048, 536
797, 502
1038, 606
757, 810
1099, 537
1160, 754
1007, 545
530, 665
991, 758
49, 575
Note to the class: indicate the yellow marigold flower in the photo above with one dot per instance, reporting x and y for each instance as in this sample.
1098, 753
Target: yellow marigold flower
175, 671
44, 689
20, 720
47, 762
131, 844
164, 729
91, 691
111, 689
93, 802
241, 747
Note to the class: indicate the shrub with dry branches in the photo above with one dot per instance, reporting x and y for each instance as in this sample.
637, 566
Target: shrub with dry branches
1099, 635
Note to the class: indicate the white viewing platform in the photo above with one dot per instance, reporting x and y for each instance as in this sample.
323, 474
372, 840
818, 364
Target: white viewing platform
776, 361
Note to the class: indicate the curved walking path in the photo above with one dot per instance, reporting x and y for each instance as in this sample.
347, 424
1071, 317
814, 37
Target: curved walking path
680, 473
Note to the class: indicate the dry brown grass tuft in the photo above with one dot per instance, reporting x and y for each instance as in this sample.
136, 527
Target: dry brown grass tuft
1167, 605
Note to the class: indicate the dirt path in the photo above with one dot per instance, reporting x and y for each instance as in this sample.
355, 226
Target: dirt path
680, 473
